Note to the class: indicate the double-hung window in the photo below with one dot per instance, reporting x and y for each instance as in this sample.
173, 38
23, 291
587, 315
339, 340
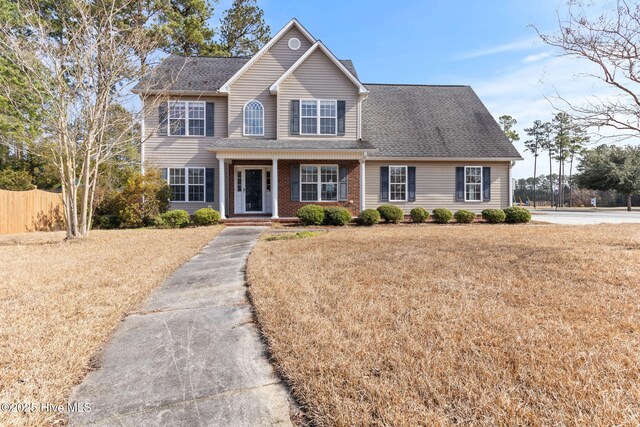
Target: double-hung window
473, 183
186, 118
318, 183
196, 184
397, 183
177, 183
318, 117
186, 184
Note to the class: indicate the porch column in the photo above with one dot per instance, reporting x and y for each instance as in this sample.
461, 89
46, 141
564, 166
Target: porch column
221, 186
274, 189
362, 186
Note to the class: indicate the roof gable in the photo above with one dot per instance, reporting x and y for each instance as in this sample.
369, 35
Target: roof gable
318, 46
293, 23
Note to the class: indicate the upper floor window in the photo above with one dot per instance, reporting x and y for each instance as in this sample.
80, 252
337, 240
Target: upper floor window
318, 117
186, 118
473, 183
253, 118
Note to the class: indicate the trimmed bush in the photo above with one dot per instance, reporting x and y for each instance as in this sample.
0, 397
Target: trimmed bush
176, 218
464, 216
369, 217
515, 215
206, 216
391, 213
493, 216
441, 215
311, 215
336, 216
419, 215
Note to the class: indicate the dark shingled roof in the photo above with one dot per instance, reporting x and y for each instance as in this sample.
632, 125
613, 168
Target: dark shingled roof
291, 144
201, 73
431, 121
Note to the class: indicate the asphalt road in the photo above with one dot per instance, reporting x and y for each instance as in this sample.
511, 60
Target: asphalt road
585, 217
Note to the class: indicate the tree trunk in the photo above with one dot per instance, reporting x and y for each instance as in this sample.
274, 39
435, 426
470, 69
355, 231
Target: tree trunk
559, 198
571, 181
535, 165
629, 202
550, 178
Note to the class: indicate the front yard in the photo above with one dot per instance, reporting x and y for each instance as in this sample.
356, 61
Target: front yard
60, 301
471, 325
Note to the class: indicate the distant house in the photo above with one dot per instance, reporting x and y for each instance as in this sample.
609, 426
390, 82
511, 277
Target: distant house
294, 125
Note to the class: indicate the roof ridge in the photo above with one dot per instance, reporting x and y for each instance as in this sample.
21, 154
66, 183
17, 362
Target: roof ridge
413, 84
211, 56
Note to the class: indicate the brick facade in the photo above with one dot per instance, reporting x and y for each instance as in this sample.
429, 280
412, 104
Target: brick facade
287, 207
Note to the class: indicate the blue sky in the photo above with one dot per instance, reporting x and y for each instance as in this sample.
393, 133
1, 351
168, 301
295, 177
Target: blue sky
487, 44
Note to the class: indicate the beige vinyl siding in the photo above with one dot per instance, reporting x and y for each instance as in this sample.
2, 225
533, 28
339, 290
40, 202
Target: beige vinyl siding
183, 150
436, 185
255, 83
317, 78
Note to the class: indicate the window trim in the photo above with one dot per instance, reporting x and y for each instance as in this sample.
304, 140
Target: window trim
319, 117
406, 183
186, 184
481, 185
186, 118
244, 124
319, 183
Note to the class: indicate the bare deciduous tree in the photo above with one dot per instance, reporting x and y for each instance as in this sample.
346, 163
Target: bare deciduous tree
611, 42
80, 59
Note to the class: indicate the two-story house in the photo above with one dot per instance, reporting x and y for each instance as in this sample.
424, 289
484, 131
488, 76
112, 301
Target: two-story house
294, 125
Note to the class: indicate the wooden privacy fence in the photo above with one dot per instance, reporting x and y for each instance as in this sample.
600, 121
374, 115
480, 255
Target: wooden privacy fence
33, 210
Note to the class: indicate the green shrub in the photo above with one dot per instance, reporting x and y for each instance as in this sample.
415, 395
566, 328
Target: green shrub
106, 222
441, 215
514, 215
419, 215
369, 217
206, 216
311, 215
336, 216
493, 216
391, 213
16, 180
464, 216
159, 222
176, 218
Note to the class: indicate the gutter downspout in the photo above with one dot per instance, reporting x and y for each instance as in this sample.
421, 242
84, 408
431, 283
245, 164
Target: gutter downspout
512, 163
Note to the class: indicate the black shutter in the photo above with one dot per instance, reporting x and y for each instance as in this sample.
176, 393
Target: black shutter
341, 113
412, 183
162, 119
209, 177
343, 190
486, 184
295, 117
384, 183
295, 183
460, 184
209, 118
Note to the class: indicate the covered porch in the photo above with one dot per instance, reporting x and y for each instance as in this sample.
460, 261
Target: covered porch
268, 184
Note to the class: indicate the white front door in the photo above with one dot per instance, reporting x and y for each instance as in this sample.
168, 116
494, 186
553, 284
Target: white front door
252, 185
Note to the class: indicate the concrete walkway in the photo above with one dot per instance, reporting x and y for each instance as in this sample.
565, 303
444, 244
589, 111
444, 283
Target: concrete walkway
192, 356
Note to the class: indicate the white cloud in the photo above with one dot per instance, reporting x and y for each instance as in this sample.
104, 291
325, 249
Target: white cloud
519, 45
536, 57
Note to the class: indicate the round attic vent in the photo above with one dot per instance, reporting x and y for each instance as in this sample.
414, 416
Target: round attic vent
294, 43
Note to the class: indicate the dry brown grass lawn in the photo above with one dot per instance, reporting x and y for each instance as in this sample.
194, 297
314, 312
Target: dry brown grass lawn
456, 325
60, 301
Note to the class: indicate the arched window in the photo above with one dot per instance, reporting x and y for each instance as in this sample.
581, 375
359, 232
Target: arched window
253, 118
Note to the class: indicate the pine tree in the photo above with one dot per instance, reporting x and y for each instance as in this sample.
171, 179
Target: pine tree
243, 30
537, 132
185, 25
562, 126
